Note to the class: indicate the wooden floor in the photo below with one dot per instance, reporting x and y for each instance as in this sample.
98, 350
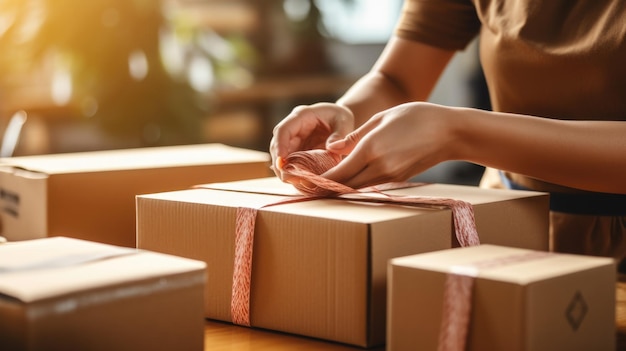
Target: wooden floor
226, 337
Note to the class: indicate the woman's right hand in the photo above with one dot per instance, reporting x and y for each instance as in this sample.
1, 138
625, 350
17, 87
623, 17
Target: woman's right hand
309, 127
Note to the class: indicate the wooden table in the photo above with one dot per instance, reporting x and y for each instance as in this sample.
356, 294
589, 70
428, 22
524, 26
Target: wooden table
220, 336
226, 337
620, 313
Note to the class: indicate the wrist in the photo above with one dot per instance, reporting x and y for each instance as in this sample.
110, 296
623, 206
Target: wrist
463, 131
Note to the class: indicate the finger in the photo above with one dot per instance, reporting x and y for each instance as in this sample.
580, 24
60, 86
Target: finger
349, 142
369, 176
277, 163
347, 168
341, 129
276, 166
304, 126
356, 172
381, 168
284, 133
345, 145
357, 159
310, 127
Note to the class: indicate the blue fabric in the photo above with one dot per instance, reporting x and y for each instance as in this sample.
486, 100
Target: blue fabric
587, 203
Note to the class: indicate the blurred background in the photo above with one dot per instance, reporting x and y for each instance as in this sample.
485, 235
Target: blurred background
81, 75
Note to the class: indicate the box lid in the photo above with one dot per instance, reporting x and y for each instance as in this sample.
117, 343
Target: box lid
37, 269
471, 194
467, 260
138, 158
268, 185
259, 192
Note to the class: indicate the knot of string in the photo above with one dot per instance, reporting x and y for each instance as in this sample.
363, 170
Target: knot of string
307, 166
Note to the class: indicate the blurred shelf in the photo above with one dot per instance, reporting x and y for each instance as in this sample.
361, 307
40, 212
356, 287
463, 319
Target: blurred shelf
263, 104
285, 88
220, 16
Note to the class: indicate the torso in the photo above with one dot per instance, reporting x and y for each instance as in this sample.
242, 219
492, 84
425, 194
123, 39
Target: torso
558, 58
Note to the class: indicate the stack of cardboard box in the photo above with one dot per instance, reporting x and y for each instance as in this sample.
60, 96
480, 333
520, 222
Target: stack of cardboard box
321, 267
100, 293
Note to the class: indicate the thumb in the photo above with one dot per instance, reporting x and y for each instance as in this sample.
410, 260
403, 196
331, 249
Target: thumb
335, 136
345, 145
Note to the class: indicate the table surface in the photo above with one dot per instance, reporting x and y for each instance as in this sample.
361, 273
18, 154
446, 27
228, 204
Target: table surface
221, 336
620, 313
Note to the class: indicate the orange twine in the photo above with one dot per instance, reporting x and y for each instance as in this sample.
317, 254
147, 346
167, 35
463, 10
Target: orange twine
307, 166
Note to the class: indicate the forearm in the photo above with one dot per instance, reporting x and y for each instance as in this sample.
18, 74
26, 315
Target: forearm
406, 71
588, 155
372, 93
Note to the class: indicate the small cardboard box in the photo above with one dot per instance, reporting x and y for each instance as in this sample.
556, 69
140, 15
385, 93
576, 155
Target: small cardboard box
520, 301
69, 294
91, 195
319, 267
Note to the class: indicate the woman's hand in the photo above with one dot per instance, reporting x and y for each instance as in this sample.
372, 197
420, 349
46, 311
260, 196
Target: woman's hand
309, 127
395, 145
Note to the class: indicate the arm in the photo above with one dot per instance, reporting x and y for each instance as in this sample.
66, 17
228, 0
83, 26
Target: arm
405, 71
406, 140
589, 155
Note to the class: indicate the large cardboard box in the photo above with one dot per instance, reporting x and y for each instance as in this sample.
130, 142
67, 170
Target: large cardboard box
91, 195
521, 300
319, 267
68, 294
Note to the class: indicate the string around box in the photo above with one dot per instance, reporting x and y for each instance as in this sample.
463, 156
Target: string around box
458, 292
308, 166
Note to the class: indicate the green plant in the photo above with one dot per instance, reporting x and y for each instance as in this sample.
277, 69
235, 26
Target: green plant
110, 50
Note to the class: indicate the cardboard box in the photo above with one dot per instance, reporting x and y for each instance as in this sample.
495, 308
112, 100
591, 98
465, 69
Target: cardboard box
91, 195
319, 267
69, 294
520, 301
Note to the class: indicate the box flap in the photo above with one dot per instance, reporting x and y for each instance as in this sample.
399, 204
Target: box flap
471, 194
329, 208
32, 270
53, 253
269, 185
274, 186
520, 272
138, 158
261, 190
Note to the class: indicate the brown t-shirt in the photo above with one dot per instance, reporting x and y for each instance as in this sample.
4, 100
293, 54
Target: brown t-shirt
559, 58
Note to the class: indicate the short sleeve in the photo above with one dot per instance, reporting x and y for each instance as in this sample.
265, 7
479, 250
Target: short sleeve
447, 24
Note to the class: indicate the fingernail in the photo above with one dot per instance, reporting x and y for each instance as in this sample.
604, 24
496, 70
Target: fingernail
280, 163
339, 144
